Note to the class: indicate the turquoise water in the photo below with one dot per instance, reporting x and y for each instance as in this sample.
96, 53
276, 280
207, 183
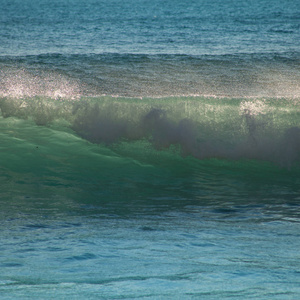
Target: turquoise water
149, 150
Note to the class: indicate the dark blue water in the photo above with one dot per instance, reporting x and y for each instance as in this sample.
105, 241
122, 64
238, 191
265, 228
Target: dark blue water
149, 150
137, 26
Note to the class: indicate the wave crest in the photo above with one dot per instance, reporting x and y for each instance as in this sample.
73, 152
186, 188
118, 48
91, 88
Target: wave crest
200, 127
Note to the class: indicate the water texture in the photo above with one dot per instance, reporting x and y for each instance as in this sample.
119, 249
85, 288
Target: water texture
149, 150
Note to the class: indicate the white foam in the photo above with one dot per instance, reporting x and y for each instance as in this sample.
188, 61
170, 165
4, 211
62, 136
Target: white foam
21, 83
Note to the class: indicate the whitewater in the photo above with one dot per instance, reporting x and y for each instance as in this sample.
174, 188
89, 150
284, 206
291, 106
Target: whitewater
149, 150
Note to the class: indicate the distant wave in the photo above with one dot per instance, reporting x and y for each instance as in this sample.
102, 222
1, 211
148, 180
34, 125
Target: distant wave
129, 75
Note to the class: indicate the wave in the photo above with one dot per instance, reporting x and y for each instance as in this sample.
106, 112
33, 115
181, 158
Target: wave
201, 127
225, 107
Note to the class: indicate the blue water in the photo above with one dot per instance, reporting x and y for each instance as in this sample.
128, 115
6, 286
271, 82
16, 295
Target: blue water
149, 149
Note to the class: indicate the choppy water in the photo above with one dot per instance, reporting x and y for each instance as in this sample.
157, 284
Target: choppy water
149, 150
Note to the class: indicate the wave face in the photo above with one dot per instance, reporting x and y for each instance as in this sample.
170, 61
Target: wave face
264, 129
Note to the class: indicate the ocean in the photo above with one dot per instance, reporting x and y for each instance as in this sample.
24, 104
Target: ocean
149, 149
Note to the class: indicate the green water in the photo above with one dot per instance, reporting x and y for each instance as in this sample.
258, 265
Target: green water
121, 198
104, 147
